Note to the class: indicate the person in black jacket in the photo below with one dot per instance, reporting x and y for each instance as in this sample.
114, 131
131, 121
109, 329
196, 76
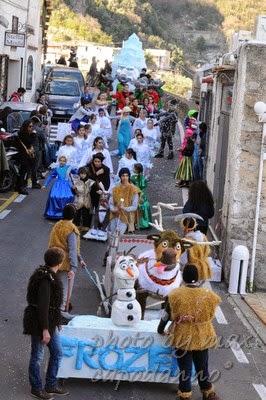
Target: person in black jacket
27, 143
200, 201
99, 173
42, 318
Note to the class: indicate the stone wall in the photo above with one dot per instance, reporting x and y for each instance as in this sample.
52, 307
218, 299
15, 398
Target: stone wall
243, 161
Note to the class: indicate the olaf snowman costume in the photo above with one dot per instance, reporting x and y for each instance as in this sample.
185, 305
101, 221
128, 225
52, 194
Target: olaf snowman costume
155, 278
126, 310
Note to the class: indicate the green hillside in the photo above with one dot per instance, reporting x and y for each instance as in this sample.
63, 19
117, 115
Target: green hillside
194, 30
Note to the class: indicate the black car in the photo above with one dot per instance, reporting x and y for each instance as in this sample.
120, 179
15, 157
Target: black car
63, 72
63, 96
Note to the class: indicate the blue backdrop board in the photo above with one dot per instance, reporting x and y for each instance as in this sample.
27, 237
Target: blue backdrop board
95, 348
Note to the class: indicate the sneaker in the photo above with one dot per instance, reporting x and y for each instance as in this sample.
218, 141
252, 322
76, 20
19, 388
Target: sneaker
23, 191
36, 186
184, 396
59, 391
67, 315
41, 394
159, 155
210, 396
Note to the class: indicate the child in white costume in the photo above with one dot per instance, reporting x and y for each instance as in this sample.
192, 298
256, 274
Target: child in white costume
69, 151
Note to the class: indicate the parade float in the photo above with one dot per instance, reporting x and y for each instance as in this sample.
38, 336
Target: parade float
128, 63
121, 346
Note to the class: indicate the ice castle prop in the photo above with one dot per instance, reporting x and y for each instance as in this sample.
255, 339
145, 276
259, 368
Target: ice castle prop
130, 59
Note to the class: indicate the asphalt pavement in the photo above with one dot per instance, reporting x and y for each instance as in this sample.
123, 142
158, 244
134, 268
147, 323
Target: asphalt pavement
239, 371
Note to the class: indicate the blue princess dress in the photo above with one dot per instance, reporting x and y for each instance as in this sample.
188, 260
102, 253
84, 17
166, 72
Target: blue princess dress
60, 193
124, 135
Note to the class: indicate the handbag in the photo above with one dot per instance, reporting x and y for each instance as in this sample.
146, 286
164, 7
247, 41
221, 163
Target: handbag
30, 152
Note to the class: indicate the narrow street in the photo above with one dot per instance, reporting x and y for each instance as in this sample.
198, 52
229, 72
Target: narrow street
239, 373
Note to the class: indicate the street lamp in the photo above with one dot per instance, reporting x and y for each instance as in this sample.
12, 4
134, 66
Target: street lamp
260, 110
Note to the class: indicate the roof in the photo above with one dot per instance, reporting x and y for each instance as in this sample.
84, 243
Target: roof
63, 79
64, 67
20, 106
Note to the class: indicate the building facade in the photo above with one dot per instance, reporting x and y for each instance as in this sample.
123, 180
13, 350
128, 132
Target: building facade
234, 154
21, 46
86, 50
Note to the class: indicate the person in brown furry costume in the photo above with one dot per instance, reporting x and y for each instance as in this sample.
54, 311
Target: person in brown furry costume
191, 309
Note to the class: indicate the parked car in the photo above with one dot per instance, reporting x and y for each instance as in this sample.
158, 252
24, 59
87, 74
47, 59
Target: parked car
62, 96
58, 72
24, 108
9, 177
20, 112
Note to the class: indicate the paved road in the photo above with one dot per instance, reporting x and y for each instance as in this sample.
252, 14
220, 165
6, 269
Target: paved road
23, 239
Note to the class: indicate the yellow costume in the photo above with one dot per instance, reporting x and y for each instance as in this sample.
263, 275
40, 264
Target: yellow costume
123, 195
58, 238
199, 303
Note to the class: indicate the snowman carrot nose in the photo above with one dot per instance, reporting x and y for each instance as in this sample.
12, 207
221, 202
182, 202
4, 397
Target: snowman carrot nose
130, 272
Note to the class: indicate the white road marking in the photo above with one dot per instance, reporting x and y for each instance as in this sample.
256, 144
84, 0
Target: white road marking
220, 318
219, 315
238, 352
261, 390
20, 198
4, 213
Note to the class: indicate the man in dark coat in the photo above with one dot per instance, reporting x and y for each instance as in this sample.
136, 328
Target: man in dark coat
41, 320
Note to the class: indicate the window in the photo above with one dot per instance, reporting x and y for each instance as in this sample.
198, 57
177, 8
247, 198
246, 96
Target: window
14, 24
63, 88
29, 73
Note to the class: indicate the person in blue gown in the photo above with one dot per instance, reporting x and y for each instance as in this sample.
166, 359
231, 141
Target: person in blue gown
124, 131
61, 191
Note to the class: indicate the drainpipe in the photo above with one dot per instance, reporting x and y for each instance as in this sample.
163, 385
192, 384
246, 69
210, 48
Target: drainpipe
26, 46
260, 110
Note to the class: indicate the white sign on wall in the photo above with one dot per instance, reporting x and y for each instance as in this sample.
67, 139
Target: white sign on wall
261, 28
15, 39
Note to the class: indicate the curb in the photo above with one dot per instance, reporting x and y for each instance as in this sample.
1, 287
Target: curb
248, 317
9, 201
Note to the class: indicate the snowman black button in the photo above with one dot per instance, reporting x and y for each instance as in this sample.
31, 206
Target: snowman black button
130, 306
129, 294
130, 317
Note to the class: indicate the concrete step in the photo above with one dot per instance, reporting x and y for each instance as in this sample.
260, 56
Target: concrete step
53, 134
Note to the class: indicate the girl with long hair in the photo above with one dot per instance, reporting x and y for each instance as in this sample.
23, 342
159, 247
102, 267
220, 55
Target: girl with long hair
68, 150
97, 147
200, 201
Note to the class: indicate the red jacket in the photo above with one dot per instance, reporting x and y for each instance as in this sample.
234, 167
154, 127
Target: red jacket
154, 95
121, 99
15, 97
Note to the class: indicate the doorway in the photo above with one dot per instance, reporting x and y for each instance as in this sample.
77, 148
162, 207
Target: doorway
221, 157
14, 76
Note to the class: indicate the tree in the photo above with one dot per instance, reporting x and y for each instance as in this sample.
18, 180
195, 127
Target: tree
151, 64
200, 44
177, 56
176, 83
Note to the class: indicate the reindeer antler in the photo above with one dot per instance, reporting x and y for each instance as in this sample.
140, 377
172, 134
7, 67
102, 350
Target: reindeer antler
159, 224
213, 243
